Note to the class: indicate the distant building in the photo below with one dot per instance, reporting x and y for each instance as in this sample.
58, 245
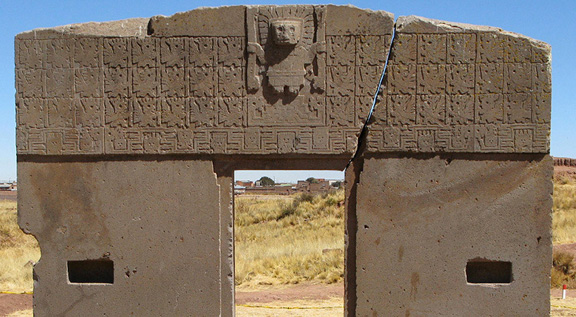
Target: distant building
239, 190
244, 183
319, 185
8, 186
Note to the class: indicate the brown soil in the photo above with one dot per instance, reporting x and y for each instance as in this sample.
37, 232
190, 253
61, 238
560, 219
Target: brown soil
557, 292
565, 171
290, 293
10, 303
8, 195
568, 248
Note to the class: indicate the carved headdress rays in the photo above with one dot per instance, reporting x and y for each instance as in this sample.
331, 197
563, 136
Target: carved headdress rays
265, 15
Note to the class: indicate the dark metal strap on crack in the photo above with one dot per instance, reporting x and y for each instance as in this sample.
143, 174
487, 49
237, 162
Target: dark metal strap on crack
364, 130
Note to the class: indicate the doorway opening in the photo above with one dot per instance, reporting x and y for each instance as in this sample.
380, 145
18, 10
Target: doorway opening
288, 240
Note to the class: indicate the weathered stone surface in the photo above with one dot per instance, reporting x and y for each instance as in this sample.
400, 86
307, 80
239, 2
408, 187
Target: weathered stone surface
210, 81
200, 84
420, 220
226, 187
124, 28
103, 107
454, 87
221, 21
158, 221
349, 20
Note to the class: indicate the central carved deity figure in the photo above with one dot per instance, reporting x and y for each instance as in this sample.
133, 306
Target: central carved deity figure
284, 60
286, 31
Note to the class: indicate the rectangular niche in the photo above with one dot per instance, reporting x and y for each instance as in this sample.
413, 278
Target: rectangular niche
488, 272
91, 271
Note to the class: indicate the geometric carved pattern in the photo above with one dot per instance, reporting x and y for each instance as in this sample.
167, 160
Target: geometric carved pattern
187, 94
454, 91
463, 90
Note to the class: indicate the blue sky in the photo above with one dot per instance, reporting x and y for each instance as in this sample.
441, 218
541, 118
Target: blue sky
552, 21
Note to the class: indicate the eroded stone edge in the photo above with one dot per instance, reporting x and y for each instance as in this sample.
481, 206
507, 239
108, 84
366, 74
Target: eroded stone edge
422, 25
135, 27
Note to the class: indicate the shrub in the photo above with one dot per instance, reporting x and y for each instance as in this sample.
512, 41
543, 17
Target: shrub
304, 197
563, 269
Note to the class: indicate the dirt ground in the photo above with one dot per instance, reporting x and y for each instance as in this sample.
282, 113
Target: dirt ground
5, 195
289, 293
296, 300
562, 307
569, 170
568, 248
10, 303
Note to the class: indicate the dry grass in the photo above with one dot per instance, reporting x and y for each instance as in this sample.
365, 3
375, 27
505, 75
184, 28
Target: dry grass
22, 313
563, 270
564, 215
280, 241
562, 307
17, 252
564, 230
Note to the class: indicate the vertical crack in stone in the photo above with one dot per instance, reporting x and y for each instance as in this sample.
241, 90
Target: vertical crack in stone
353, 170
352, 177
362, 136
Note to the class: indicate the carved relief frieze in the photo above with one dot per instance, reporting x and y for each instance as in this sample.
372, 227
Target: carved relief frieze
266, 90
453, 90
291, 83
286, 50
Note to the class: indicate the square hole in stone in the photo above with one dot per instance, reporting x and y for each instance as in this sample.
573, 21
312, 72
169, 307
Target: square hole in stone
488, 272
91, 271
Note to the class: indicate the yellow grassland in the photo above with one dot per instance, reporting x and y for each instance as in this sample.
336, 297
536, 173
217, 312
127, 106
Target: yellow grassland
18, 252
564, 210
22, 313
288, 241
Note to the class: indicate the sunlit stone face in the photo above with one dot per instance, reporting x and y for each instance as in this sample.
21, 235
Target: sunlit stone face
286, 32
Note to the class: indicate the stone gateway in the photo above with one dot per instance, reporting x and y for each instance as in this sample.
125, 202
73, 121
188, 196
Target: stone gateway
129, 133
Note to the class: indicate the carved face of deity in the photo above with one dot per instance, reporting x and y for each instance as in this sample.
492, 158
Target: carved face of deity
286, 31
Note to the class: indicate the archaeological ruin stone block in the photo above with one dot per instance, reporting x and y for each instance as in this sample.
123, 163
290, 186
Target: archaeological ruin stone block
423, 224
129, 133
210, 81
453, 87
156, 222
